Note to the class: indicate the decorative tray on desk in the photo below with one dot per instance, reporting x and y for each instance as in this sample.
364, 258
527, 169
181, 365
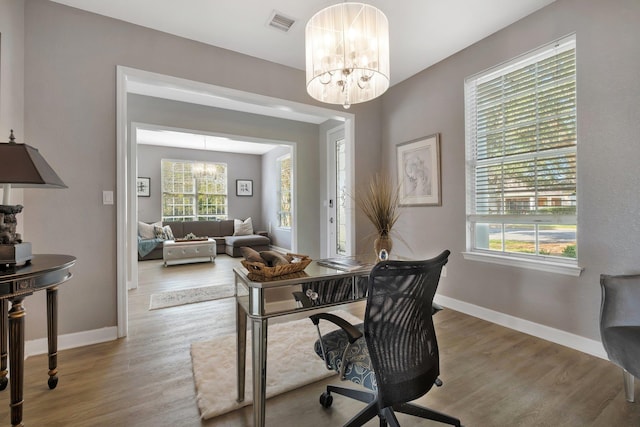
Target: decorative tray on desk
263, 270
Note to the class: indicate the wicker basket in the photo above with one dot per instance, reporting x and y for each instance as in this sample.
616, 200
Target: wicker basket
263, 270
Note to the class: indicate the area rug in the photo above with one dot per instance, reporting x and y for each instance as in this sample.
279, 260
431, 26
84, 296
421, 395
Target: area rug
190, 296
291, 363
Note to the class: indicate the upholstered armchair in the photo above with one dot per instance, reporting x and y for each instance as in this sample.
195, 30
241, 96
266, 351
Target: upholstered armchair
620, 325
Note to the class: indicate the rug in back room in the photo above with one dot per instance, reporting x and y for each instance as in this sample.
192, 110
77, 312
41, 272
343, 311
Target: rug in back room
190, 296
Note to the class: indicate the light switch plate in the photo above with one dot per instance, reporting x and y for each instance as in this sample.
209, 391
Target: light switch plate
107, 197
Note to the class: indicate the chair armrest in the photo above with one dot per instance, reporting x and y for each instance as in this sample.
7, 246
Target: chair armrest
352, 332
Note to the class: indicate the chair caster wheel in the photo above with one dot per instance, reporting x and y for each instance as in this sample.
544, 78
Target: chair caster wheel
326, 400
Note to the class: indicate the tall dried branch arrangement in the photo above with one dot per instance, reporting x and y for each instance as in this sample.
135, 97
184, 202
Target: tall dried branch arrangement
379, 202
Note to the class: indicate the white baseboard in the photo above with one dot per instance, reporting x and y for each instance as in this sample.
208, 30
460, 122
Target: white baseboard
279, 249
576, 342
67, 341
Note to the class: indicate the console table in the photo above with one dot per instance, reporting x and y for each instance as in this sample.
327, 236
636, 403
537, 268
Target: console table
17, 283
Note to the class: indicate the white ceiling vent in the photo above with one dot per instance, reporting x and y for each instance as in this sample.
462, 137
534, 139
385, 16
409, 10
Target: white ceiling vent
280, 22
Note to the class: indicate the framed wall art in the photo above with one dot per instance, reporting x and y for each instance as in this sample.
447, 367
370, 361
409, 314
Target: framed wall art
419, 171
244, 187
143, 186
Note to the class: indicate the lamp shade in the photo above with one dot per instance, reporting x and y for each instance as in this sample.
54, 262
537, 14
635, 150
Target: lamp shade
347, 54
23, 166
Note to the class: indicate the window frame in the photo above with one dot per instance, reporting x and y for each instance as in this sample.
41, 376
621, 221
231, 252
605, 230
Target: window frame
280, 192
475, 161
189, 166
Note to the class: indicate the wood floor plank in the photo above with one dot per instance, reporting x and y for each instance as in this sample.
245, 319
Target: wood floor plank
493, 376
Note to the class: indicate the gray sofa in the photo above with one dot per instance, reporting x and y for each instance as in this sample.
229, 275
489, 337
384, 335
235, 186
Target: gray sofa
221, 231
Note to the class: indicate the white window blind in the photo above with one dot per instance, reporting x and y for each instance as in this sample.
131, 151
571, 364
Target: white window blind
521, 155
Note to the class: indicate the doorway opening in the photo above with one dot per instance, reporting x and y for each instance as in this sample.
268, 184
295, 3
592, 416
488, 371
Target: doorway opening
134, 81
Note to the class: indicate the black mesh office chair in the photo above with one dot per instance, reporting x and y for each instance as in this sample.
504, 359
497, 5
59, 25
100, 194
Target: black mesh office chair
620, 325
398, 359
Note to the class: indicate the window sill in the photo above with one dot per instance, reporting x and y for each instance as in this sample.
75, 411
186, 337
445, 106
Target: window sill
548, 266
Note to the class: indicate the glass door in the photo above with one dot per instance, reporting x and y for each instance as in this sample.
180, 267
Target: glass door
339, 199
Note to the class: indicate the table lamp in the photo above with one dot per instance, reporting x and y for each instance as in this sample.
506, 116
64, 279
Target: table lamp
21, 166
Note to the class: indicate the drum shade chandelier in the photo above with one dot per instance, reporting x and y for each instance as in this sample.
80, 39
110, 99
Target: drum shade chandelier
347, 54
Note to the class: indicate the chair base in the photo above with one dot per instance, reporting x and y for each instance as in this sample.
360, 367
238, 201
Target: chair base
386, 415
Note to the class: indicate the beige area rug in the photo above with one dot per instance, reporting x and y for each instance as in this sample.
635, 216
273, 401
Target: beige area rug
190, 296
291, 363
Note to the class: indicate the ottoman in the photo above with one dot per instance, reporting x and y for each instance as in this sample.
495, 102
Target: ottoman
187, 251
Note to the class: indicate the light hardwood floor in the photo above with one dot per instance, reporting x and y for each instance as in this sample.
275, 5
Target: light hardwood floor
492, 376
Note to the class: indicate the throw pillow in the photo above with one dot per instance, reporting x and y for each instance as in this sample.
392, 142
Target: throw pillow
242, 228
145, 230
168, 232
274, 258
164, 233
251, 254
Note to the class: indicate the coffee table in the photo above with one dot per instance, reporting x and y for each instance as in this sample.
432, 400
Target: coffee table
188, 251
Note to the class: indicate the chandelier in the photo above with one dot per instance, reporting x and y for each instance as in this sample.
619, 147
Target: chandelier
347, 54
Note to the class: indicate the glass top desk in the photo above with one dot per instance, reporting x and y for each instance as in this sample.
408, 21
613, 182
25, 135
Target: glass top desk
259, 299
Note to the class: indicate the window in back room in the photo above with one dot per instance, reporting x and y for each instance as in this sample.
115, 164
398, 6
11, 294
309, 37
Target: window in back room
193, 190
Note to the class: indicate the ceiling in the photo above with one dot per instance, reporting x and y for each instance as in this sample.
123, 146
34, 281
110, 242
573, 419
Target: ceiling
422, 33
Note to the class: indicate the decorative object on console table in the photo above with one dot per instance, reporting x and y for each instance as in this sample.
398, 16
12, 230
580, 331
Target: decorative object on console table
244, 187
143, 186
190, 237
419, 171
379, 203
260, 269
21, 166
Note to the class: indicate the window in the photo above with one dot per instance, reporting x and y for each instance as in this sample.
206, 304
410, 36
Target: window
341, 199
521, 161
193, 190
284, 192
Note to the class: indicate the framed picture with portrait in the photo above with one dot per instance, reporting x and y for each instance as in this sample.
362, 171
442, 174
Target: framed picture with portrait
419, 171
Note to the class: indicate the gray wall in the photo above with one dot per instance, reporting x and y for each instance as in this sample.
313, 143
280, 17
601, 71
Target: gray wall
11, 70
70, 115
239, 166
12, 81
608, 91
280, 237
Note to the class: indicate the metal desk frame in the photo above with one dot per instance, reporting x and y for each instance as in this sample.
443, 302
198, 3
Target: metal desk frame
252, 302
